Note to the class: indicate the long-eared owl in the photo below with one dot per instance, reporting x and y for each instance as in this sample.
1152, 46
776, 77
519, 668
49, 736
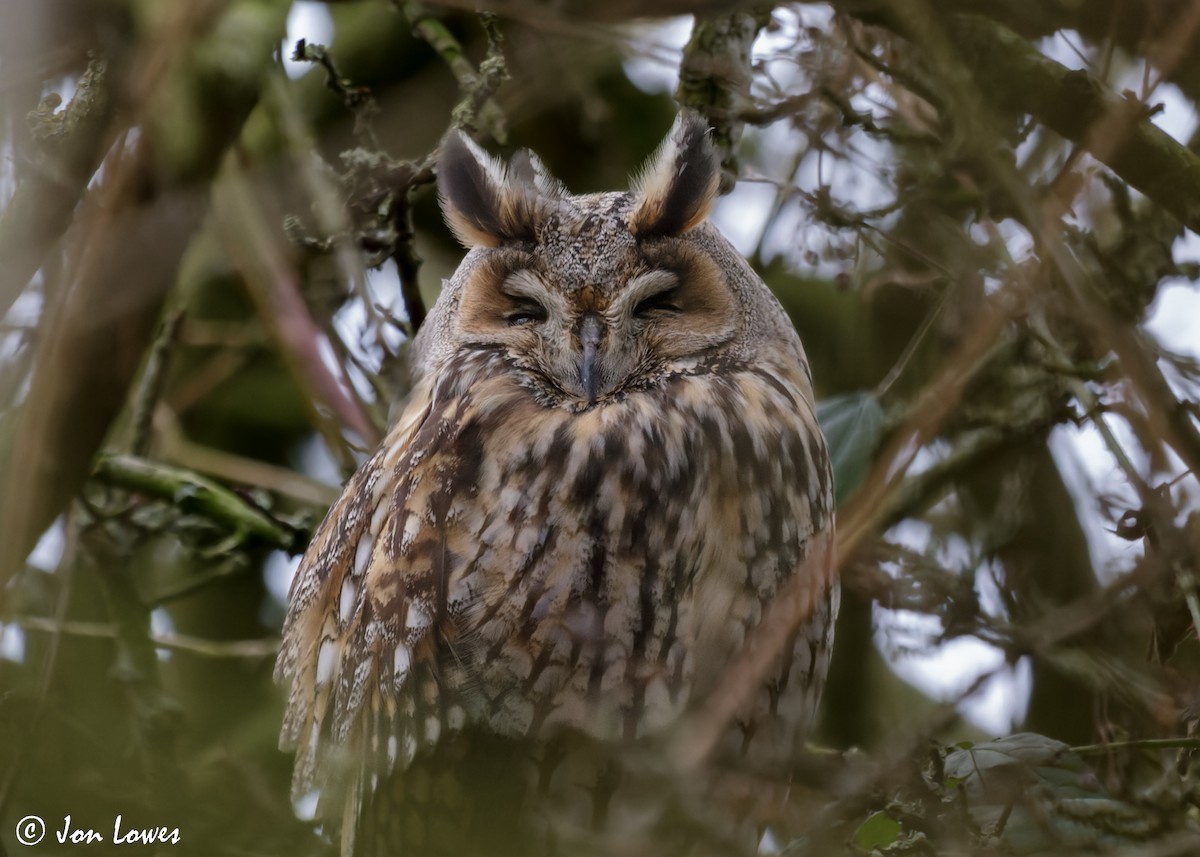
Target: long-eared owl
608, 473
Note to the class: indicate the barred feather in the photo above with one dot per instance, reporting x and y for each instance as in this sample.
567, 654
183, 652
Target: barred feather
540, 568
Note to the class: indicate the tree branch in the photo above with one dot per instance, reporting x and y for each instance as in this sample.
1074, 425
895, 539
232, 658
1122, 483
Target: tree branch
714, 78
476, 107
94, 333
44, 203
1015, 76
198, 495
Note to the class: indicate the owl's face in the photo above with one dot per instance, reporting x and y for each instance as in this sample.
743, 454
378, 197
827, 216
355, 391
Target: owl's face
592, 296
589, 331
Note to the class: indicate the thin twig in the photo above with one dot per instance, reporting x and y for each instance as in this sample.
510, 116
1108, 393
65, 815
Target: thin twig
1142, 744
272, 283
475, 110
150, 386
62, 603
357, 98
255, 649
177, 448
910, 349
408, 267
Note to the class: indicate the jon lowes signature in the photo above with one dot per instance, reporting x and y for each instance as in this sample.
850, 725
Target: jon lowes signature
32, 829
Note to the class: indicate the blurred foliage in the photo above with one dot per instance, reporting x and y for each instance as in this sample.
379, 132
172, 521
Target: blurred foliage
852, 424
966, 207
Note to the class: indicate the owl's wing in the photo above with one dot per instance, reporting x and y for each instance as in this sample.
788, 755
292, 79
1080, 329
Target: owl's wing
357, 643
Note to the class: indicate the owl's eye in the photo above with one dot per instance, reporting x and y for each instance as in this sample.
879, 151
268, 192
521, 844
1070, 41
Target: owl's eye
525, 314
660, 302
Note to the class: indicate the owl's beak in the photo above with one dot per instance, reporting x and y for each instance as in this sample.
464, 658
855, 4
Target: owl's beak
591, 331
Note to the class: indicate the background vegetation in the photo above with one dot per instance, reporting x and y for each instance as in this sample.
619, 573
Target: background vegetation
210, 261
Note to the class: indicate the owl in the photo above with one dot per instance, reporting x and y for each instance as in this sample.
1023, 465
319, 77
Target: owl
608, 473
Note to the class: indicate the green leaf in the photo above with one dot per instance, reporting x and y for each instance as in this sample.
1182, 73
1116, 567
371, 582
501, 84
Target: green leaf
878, 831
852, 424
1038, 797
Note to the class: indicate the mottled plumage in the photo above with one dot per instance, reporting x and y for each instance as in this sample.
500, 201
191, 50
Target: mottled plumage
609, 467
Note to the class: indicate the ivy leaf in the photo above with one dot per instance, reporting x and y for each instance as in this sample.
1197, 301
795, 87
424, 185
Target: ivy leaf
1036, 796
852, 424
878, 831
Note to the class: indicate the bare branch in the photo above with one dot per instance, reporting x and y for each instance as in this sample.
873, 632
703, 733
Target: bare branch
249, 649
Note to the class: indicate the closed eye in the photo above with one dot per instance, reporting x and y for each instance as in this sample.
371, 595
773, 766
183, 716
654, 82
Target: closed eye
660, 302
525, 313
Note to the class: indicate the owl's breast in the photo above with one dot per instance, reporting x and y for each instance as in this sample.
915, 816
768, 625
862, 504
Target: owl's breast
612, 560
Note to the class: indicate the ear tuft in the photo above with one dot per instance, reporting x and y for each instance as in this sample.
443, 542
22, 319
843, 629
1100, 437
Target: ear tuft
527, 168
484, 202
678, 186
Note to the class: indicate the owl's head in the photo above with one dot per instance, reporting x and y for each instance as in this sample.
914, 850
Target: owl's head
592, 296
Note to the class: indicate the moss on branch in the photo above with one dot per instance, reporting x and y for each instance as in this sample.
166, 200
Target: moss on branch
714, 78
70, 144
1013, 75
200, 496
1117, 130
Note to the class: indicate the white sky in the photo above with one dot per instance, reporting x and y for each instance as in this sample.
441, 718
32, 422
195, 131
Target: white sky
308, 20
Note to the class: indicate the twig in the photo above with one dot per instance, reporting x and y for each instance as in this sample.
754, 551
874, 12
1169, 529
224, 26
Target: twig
198, 495
135, 668
178, 449
476, 110
339, 237
1117, 131
394, 182
919, 492
408, 264
1186, 580
357, 98
254, 649
1141, 744
150, 386
923, 420
1095, 412
439, 38
381, 192
62, 602
910, 349
272, 284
